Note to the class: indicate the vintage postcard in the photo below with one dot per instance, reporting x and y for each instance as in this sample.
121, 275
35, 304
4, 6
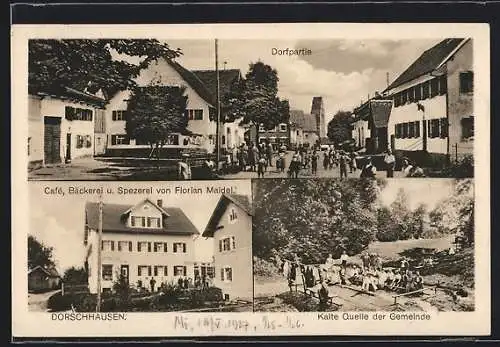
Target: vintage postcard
251, 180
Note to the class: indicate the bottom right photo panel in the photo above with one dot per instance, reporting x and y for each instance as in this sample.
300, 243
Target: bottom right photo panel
363, 245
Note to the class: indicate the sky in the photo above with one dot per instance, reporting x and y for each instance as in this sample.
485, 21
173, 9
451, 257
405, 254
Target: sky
343, 72
58, 221
429, 191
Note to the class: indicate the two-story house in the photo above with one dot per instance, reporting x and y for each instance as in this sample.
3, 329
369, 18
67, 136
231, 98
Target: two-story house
200, 110
230, 226
433, 103
303, 129
277, 136
142, 241
61, 125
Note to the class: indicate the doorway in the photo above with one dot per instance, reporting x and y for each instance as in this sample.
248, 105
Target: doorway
52, 140
124, 272
68, 148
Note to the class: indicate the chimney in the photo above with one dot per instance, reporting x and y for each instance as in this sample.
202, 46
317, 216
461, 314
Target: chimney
159, 202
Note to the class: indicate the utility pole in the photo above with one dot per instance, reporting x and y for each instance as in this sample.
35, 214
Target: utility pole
99, 256
217, 131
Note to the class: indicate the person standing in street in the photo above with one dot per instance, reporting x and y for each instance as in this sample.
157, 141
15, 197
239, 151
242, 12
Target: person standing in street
352, 162
314, 162
152, 283
390, 162
343, 164
261, 164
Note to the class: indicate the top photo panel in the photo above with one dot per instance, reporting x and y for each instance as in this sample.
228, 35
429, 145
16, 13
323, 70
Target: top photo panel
149, 109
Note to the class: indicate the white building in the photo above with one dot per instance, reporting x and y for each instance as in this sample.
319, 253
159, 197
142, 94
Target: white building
143, 241
230, 226
61, 126
433, 103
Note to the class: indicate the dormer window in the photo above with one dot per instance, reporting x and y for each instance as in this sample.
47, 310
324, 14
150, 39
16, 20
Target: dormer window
145, 222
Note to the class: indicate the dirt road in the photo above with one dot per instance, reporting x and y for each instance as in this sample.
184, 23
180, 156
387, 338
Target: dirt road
38, 302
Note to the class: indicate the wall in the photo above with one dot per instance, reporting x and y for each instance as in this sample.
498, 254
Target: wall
35, 132
360, 132
459, 105
56, 108
435, 108
234, 134
239, 259
135, 258
296, 139
100, 138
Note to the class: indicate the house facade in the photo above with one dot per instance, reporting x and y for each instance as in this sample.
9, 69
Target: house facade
143, 241
433, 103
230, 226
303, 129
277, 136
200, 109
61, 126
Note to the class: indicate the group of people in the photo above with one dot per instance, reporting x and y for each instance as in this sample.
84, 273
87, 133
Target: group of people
183, 282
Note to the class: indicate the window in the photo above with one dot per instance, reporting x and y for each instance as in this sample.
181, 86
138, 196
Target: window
443, 84
72, 113
124, 246
119, 115
418, 92
79, 141
444, 128
405, 130
411, 130
120, 139
226, 274
107, 245
417, 128
223, 139
397, 131
404, 97
411, 94
233, 216
397, 99
194, 114
179, 247
466, 82
143, 246
282, 127
153, 222
434, 87
159, 247
425, 90
88, 141
165, 270
138, 221
467, 127
434, 128
227, 244
142, 270
297, 133
107, 272
180, 270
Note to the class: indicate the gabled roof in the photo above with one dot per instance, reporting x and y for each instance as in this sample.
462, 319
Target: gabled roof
299, 119
193, 80
428, 61
113, 220
226, 79
68, 93
241, 201
380, 111
51, 272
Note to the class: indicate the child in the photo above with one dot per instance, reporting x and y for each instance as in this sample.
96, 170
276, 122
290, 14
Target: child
260, 167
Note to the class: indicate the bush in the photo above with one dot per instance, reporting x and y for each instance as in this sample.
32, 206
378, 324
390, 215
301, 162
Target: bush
171, 294
262, 267
58, 302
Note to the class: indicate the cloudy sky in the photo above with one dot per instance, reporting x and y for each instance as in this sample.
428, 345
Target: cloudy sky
343, 72
58, 222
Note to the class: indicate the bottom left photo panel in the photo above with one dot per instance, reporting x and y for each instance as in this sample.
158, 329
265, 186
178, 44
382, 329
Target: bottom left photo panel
140, 247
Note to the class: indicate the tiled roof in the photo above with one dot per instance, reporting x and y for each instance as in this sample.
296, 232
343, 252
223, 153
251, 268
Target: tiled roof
226, 78
299, 119
427, 62
175, 223
240, 200
71, 94
51, 272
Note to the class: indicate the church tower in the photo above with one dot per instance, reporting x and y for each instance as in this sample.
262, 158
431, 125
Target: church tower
318, 111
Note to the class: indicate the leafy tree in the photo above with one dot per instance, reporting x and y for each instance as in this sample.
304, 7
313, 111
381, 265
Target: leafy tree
339, 129
82, 63
39, 254
75, 275
312, 218
255, 99
154, 112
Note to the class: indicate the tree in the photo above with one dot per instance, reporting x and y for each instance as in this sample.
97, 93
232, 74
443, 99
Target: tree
39, 254
154, 112
75, 275
255, 99
81, 63
339, 128
312, 218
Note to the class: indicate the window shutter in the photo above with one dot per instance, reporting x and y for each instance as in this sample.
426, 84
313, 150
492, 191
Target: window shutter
417, 129
139, 270
149, 270
149, 246
222, 274
183, 248
113, 115
119, 246
164, 247
220, 245
184, 268
230, 274
102, 245
112, 245
233, 241
138, 246
165, 270
130, 246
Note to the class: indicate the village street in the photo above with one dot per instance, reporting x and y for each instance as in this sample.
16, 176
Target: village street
37, 302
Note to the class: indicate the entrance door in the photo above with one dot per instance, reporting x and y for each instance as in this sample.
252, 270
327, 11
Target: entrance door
68, 148
124, 272
52, 140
